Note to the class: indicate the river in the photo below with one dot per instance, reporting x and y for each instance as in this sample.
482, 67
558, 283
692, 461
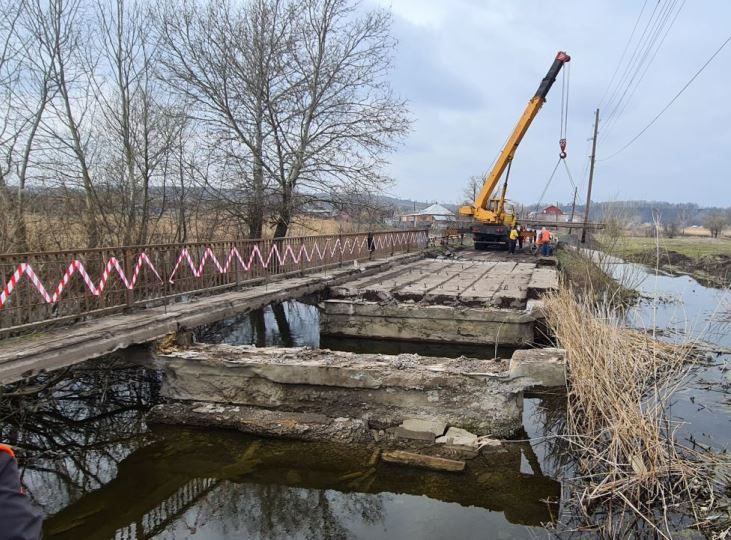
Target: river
97, 470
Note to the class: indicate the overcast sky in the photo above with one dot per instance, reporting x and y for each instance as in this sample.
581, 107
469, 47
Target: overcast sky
469, 67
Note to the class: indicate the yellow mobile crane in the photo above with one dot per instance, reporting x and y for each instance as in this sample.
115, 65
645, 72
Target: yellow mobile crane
494, 220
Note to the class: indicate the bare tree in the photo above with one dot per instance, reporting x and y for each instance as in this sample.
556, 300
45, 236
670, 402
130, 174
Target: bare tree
62, 39
715, 223
24, 87
338, 116
139, 126
217, 59
473, 187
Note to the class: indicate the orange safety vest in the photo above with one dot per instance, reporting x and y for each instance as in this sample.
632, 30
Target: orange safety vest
544, 237
5, 448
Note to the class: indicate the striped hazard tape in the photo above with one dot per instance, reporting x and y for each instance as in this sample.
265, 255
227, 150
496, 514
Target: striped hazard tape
76, 266
295, 255
287, 253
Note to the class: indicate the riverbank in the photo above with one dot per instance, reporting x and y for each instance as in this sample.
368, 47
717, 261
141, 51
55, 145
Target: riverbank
586, 277
630, 468
708, 260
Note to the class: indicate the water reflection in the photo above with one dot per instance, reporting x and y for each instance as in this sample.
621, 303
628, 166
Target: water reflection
288, 324
297, 324
209, 484
72, 428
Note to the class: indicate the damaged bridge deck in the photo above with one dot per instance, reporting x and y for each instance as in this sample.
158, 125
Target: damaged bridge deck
478, 297
29, 355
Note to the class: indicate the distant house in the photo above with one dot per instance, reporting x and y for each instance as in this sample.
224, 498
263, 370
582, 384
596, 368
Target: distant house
433, 214
550, 213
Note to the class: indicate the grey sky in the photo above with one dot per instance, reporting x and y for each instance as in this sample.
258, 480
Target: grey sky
468, 68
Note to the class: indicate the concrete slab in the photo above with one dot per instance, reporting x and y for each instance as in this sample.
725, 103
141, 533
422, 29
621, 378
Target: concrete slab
461, 300
427, 323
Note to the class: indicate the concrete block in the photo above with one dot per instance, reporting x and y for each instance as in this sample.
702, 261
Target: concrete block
419, 429
458, 437
539, 368
436, 427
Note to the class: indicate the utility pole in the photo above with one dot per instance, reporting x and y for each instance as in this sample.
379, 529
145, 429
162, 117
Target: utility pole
591, 177
573, 210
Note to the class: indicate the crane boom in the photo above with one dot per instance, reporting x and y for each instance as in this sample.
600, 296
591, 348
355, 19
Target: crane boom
491, 211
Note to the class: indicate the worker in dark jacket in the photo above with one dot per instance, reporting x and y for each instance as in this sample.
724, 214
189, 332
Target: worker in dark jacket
18, 519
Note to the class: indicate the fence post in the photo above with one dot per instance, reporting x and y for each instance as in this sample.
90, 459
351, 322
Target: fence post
128, 293
340, 255
301, 256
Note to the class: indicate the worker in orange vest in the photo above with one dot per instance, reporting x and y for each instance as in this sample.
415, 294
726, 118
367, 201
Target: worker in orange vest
544, 242
18, 519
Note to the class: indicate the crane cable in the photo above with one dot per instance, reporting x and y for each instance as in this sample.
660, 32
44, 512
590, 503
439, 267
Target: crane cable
548, 183
564, 109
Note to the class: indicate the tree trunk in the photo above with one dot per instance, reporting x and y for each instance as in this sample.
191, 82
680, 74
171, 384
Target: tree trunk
285, 212
256, 208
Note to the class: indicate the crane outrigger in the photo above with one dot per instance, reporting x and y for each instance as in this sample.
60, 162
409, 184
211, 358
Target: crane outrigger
494, 220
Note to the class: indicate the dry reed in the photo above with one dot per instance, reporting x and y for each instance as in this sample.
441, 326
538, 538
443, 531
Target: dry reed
619, 424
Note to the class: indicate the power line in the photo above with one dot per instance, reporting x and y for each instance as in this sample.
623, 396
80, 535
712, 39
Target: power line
693, 78
639, 60
621, 105
647, 67
632, 58
624, 52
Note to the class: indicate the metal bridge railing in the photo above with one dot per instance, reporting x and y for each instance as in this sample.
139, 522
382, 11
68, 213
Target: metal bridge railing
39, 288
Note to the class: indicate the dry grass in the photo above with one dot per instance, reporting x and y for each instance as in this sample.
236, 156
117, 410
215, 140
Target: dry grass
618, 421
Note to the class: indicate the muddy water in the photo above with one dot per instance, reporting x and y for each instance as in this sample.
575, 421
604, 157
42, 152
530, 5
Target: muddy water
97, 471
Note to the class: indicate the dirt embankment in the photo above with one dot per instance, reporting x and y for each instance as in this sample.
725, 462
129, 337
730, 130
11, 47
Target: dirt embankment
711, 270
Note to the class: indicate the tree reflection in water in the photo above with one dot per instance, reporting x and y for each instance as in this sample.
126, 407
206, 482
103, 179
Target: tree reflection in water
73, 427
235, 510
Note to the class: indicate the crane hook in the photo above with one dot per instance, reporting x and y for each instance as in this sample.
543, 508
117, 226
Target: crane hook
562, 144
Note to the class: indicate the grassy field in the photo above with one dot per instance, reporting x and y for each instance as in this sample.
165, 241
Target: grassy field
690, 246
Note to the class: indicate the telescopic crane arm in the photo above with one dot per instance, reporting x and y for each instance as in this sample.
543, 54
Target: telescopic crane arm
481, 209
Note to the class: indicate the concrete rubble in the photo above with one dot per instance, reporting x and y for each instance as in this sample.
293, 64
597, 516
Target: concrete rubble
485, 298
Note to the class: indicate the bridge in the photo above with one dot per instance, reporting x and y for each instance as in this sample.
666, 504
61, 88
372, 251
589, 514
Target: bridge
63, 307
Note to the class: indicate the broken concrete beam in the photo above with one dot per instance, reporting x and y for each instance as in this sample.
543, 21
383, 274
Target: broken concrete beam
382, 390
539, 368
262, 422
433, 323
424, 462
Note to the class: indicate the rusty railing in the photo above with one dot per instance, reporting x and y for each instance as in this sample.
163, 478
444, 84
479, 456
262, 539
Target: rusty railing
65, 286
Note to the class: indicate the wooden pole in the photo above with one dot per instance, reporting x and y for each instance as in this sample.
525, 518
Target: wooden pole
573, 209
591, 177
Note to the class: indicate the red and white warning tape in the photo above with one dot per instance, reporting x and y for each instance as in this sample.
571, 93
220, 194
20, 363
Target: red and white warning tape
76, 266
282, 256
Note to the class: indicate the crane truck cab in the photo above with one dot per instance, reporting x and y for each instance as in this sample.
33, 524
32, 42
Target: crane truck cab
495, 235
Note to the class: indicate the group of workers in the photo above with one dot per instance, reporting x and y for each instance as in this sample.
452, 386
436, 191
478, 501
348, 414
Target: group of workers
541, 238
